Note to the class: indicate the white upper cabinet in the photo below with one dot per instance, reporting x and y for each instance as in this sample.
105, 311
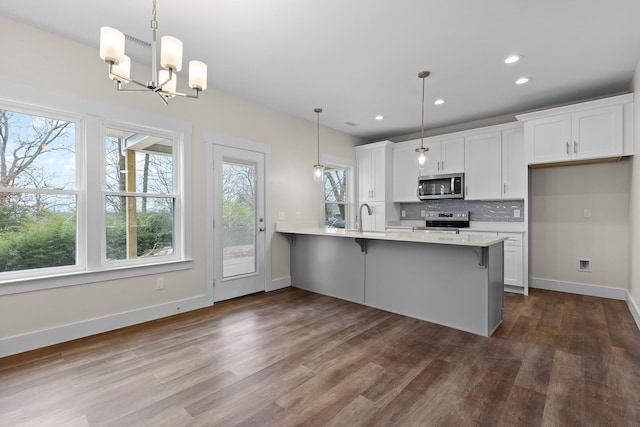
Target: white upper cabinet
444, 156
375, 186
405, 172
514, 166
581, 132
372, 172
494, 165
483, 166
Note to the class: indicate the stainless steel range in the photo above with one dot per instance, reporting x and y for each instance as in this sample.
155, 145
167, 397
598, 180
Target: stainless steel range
450, 222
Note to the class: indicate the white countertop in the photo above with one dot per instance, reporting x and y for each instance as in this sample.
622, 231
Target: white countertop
476, 240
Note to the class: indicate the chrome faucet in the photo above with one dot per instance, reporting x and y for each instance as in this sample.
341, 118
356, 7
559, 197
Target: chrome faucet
369, 211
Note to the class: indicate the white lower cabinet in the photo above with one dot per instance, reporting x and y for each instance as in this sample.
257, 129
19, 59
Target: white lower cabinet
513, 261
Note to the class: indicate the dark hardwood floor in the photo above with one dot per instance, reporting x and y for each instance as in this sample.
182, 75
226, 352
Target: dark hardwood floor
292, 357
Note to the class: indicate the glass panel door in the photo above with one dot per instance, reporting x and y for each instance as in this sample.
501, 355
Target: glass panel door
239, 219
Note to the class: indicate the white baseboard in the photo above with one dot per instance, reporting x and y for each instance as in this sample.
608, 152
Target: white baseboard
633, 308
279, 283
579, 288
43, 338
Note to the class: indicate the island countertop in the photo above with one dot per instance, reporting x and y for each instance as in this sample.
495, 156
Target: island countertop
473, 240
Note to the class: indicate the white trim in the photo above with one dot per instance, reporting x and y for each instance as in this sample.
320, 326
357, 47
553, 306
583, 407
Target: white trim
46, 337
279, 283
90, 125
579, 288
633, 308
220, 139
350, 166
596, 103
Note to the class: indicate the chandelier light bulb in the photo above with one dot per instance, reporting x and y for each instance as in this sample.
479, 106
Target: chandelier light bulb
121, 72
171, 53
111, 45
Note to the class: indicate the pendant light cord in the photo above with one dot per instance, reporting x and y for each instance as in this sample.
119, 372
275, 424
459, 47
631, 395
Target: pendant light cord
318, 111
422, 125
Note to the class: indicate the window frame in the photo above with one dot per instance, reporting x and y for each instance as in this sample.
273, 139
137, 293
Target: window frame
348, 166
91, 263
178, 247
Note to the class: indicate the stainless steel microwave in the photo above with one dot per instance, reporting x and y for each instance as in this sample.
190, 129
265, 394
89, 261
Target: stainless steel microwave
449, 186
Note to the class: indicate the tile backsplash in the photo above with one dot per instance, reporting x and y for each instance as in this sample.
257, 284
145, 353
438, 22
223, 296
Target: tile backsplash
480, 210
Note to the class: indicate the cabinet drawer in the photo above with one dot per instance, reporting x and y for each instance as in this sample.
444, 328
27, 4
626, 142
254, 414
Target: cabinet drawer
513, 239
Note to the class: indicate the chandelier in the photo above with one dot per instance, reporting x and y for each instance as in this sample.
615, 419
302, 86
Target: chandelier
163, 83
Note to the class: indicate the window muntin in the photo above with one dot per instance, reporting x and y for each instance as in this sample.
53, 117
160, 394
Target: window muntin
336, 202
38, 191
140, 197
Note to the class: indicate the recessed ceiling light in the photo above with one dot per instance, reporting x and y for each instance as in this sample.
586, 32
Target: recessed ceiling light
379, 117
512, 58
522, 80
439, 101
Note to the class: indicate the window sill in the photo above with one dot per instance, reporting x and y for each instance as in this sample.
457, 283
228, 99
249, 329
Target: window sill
86, 277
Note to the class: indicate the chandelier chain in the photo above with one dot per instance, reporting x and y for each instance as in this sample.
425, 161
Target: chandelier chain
154, 11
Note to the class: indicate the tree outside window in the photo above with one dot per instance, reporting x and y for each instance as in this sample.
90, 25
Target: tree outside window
38, 192
335, 197
140, 196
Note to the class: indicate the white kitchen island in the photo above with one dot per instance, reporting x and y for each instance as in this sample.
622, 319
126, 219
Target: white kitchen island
450, 279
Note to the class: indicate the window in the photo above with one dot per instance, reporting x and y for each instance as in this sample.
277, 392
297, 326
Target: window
335, 197
140, 197
84, 199
38, 191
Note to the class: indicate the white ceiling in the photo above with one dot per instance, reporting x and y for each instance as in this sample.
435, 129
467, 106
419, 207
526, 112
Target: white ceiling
360, 58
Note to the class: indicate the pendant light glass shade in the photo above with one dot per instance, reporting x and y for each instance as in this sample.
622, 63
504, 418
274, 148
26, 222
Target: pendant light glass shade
318, 169
422, 150
422, 156
318, 172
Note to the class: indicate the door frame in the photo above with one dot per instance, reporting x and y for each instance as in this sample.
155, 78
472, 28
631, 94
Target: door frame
212, 139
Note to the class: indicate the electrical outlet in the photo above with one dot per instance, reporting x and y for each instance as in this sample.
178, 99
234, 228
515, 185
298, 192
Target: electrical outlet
281, 216
403, 213
423, 213
159, 284
516, 213
587, 213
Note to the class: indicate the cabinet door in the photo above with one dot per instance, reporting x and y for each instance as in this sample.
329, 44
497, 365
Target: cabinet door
365, 175
513, 266
452, 156
432, 166
547, 139
514, 167
597, 133
405, 173
379, 175
483, 166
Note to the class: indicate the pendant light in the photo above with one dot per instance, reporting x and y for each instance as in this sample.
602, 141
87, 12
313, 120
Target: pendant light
318, 169
422, 150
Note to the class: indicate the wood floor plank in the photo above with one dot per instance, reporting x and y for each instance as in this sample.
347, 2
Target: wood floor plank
565, 403
291, 357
